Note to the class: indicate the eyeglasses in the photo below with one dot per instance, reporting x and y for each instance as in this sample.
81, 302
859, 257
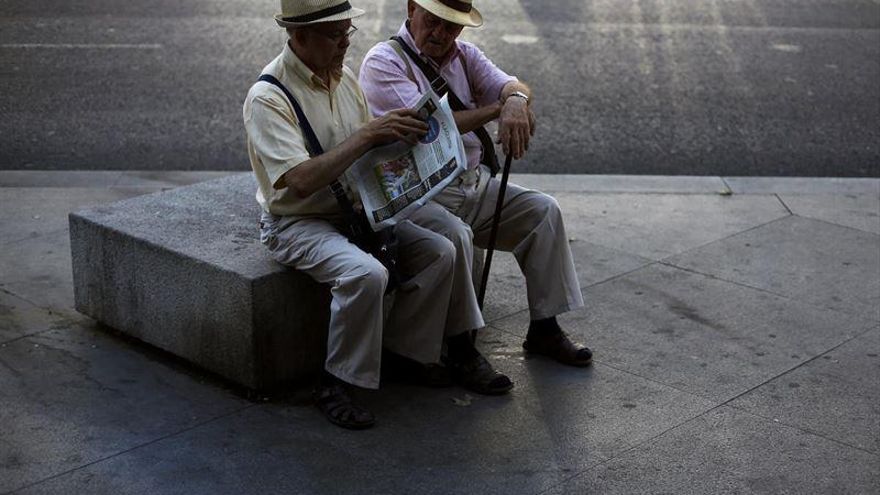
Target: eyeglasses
432, 22
338, 37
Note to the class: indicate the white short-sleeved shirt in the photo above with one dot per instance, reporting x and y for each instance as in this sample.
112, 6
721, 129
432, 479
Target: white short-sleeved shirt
275, 140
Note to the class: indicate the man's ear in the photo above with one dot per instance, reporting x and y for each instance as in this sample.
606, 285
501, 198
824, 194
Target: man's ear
410, 8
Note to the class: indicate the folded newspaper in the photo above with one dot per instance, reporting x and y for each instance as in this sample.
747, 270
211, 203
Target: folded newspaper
394, 180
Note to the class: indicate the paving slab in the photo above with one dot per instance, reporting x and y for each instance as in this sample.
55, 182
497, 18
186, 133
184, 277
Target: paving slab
728, 451
506, 293
620, 183
557, 422
859, 211
103, 178
71, 396
803, 185
38, 270
826, 265
656, 226
702, 335
31, 212
835, 396
19, 318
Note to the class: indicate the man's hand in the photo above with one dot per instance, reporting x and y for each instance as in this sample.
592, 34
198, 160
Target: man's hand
403, 124
516, 126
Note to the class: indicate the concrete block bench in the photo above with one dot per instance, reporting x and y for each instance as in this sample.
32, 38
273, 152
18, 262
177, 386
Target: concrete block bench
183, 270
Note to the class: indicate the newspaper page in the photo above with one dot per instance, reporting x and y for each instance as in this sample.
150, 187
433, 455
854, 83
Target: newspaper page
395, 179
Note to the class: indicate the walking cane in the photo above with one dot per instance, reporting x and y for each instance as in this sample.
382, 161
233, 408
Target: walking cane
492, 235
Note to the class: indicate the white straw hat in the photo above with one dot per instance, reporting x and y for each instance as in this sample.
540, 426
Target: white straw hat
297, 13
455, 11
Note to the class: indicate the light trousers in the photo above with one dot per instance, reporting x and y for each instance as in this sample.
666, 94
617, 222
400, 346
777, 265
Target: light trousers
416, 320
531, 227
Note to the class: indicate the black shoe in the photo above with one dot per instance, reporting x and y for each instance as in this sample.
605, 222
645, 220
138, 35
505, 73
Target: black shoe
560, 348
338, 407
401, 369
477, 375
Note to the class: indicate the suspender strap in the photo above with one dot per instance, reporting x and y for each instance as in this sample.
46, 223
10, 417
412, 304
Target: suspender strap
312, 144
439, 85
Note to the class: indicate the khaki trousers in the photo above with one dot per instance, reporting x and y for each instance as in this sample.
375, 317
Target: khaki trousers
416, 321
531, 227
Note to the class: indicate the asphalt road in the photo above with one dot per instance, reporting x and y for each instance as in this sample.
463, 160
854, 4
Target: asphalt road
695, 87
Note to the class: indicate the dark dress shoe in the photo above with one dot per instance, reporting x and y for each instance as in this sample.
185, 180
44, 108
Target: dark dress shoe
477, 375
560, 348
401, 369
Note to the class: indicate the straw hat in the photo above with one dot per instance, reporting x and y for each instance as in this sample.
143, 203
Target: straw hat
456, 11
297, 13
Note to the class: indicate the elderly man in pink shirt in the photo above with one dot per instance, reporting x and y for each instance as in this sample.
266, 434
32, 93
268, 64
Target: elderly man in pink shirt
531, 223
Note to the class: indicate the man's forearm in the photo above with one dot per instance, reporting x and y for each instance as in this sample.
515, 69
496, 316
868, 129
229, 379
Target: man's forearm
468, 120
316, 173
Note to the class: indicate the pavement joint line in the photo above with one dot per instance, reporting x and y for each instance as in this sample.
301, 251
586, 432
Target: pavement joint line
38, 236
636, 446
698, 416
803, 363
839, 225
783, 204
721, 239
136, 447
807, 431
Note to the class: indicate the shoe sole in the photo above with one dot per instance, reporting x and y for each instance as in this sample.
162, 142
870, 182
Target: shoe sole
576, 364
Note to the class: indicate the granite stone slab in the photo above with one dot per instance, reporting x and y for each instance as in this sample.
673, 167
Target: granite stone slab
825, 265
31, 212
184, 270
859, 211
71, 396
698, 334
557, 422
732, 452
656, 226
835, 396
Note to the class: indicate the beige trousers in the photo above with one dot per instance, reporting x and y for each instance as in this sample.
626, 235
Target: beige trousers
416, 320
531, 227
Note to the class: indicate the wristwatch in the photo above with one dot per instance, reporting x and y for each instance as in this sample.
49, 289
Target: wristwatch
518, 94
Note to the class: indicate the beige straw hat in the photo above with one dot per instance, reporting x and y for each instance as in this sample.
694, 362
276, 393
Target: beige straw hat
456, 11
298, 13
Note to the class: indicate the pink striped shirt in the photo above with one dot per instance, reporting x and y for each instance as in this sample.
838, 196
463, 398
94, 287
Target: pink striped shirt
470, 75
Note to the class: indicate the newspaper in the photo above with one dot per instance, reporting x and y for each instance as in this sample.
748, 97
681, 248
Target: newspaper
395, 179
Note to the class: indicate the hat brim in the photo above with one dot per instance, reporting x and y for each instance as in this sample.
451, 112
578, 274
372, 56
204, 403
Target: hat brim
348, 14
469, 19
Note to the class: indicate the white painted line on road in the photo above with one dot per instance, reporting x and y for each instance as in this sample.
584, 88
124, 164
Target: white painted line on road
87, 46
785, 47
518, 39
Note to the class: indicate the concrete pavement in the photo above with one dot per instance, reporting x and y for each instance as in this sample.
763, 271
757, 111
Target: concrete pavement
736, 325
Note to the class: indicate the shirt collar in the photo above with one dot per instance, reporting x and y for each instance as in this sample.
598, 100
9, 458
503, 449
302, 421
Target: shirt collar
293, 63
404, 34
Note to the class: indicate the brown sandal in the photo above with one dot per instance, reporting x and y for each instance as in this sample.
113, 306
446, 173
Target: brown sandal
560, 348
339, 409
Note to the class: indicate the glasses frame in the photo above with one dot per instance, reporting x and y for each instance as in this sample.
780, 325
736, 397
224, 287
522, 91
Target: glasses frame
338, 38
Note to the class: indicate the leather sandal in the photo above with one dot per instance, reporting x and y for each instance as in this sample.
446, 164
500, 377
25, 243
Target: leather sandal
338, 407
560, 348
477, 375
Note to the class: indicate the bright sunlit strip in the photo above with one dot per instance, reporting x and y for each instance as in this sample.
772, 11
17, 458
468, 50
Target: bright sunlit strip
90, 46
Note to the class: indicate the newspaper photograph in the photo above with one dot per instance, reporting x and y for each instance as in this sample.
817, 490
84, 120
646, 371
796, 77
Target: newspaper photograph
396, 179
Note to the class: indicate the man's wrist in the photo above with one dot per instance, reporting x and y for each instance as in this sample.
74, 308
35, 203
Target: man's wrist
519, 95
